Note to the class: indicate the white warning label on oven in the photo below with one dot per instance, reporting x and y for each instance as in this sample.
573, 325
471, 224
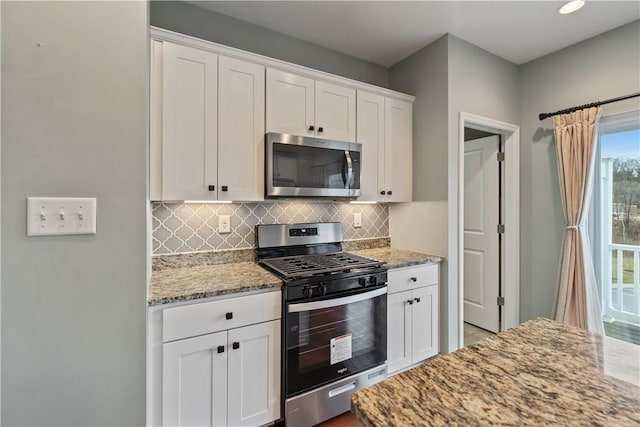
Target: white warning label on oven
340, 348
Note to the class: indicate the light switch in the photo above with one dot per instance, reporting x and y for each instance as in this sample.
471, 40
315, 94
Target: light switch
224, 224
51, 216
357, 219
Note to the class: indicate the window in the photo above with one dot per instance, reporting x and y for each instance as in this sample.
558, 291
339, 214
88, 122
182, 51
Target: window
616, 223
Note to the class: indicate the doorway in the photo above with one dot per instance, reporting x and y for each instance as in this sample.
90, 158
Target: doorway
488, 225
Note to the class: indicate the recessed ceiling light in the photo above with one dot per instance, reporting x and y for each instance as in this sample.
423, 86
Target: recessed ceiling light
570, 7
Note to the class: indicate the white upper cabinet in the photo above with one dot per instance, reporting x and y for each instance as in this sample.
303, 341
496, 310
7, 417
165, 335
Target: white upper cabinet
189, 122
397, 150
299, 105
335, 112
207, 125
240, 130
370, 123
384, 130
290, 103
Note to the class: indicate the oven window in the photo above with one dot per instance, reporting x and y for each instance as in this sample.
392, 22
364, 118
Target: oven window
329, 343
312, 167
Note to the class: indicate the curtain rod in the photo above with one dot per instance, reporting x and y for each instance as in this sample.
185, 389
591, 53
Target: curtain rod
543, 116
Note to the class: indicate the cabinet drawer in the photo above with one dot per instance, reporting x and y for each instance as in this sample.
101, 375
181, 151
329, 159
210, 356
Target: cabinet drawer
404, 279
207, 317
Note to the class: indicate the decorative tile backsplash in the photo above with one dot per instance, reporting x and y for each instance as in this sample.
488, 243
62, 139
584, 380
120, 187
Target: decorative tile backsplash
185, 228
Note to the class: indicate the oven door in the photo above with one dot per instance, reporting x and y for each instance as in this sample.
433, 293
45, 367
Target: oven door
333, 338
298, 166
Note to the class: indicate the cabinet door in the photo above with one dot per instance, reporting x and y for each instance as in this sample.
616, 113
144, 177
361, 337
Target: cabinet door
425, 323
335, 112
398, 150
290, 103
254, 374
398, 331
370, 133
240, 130
189, 123
194, 381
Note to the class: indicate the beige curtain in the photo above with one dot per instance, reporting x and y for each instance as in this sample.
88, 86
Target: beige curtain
577, 301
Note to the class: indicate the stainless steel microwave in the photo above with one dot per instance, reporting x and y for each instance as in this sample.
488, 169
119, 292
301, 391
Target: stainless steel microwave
298, 166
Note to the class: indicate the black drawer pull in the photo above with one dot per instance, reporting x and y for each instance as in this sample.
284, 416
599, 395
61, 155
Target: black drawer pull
229, 316
225, 188
235, 345
414, 279
417, 299
220, 349
212, 188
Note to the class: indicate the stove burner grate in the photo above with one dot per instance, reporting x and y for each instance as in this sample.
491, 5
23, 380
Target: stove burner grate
311, 265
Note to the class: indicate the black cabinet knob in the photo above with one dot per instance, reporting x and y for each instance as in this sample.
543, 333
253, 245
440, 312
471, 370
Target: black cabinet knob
389, 192
229, 316
225, 188
383, 192
220, 349
212, 188
362, 282
323, 289
311, 127
320, 129
414, 279
235, 345
410, 302
373, 280
417, 299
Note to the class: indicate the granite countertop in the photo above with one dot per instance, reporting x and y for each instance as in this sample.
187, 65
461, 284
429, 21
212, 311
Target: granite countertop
540, 373
184, 284
397, 258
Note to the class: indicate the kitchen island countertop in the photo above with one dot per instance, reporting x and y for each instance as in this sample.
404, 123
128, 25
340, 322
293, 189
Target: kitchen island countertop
539, 373
398, 258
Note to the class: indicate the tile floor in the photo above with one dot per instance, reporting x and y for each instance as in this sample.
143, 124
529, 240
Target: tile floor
473, 334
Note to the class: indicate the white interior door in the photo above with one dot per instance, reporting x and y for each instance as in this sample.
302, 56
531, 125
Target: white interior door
481, 240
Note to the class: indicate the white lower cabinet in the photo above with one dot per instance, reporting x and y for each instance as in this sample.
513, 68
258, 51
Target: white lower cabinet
412, 316
224, 378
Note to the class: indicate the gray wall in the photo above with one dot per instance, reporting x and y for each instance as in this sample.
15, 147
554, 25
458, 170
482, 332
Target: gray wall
447, 77
605, 66
205, 24
74, 124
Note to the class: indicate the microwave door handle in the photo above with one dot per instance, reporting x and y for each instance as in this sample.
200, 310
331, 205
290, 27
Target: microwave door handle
349, 181
345, 176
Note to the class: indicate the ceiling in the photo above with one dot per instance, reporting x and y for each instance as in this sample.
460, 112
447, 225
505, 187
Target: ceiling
385, 32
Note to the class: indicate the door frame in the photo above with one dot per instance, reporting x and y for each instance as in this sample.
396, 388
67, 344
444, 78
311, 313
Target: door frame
510, 251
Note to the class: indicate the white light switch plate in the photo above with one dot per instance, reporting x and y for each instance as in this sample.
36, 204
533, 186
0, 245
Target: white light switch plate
224, 224
52, 216
357, 220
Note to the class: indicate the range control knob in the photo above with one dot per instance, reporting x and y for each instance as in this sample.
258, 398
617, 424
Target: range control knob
307, 291
323, 289
373, 280
362, 281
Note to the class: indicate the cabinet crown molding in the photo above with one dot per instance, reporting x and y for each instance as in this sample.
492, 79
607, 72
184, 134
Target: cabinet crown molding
161, 34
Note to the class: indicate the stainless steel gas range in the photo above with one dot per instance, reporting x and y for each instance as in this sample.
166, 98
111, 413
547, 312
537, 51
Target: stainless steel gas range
335, 318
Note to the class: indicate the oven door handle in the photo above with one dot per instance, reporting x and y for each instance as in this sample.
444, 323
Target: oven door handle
316, 305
